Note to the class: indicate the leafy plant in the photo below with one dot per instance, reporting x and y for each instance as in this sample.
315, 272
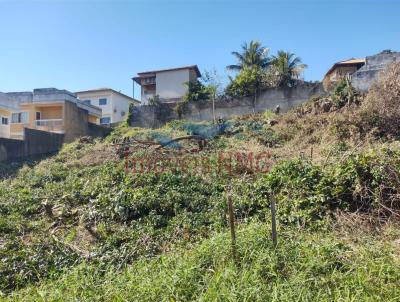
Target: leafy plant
246, 83
129, 118
155, 101
196, 92
344, 93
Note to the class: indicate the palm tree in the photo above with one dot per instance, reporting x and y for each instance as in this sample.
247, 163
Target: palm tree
252, 55
287, 67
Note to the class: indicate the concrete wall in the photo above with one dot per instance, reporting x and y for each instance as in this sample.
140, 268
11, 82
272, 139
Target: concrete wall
11, 149
286, 98
171, 84
42, 142
36, 142
75, 122
98, 130
369, 73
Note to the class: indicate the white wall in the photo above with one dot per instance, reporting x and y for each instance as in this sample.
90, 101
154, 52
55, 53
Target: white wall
121, 107
115, 107
170, 84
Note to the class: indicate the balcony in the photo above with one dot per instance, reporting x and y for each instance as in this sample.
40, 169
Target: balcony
50, 125
148, 81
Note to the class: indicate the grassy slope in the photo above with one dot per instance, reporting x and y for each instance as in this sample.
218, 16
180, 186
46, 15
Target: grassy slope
76, 226
306, 266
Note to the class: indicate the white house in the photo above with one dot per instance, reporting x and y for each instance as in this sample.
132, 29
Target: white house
168, 84
114, 104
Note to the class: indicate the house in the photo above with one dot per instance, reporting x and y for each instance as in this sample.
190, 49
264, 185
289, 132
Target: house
167, 84
46, 109
363, 78
6, 112
341, 70
114, 104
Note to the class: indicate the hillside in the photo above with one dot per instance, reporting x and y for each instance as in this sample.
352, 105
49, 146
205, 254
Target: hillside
81, 226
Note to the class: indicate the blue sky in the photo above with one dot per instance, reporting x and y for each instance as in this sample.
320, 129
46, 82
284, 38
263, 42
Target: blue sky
78, 45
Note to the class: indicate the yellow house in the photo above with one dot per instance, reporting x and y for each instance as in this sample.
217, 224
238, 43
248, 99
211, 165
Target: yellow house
51, 110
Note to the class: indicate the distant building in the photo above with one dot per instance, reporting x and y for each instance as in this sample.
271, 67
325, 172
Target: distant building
363, 78
167, 84
114, 104
6, 111
46, 109
341, 70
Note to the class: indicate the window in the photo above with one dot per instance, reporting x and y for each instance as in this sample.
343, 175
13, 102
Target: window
102, 102
19, 117
38, 116
4, 120
87, 102
105, 120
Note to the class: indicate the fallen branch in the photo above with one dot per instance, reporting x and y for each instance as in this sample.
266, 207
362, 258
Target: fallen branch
196, 137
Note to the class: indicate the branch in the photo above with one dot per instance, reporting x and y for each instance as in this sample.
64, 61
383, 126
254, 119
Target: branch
180, 139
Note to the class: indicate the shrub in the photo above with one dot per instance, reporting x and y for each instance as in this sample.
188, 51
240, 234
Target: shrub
381, 108
155, 101
129, 118
196, 92
344, 93
246, 83
307, 193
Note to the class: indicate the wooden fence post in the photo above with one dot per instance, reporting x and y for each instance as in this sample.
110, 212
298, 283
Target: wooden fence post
273, 223
232, 226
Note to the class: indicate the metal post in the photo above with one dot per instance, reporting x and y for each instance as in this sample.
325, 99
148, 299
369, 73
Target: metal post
273, 224
232, 226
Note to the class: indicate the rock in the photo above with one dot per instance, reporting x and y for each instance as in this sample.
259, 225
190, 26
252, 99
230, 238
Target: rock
326, 106
272, 122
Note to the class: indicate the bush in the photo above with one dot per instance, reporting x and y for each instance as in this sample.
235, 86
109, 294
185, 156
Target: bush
344, 94
307, 193
196, 92
246, 83
381, 108
155, 101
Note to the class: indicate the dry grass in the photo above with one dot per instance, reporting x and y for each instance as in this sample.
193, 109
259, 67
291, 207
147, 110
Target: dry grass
382, 103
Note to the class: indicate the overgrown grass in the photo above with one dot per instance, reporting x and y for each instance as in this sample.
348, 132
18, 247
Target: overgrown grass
57, 215
76, 226
306, 266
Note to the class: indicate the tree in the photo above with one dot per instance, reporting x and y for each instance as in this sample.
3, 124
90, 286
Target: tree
196, 92
252, 55
287, 68
214, 86
249, 81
